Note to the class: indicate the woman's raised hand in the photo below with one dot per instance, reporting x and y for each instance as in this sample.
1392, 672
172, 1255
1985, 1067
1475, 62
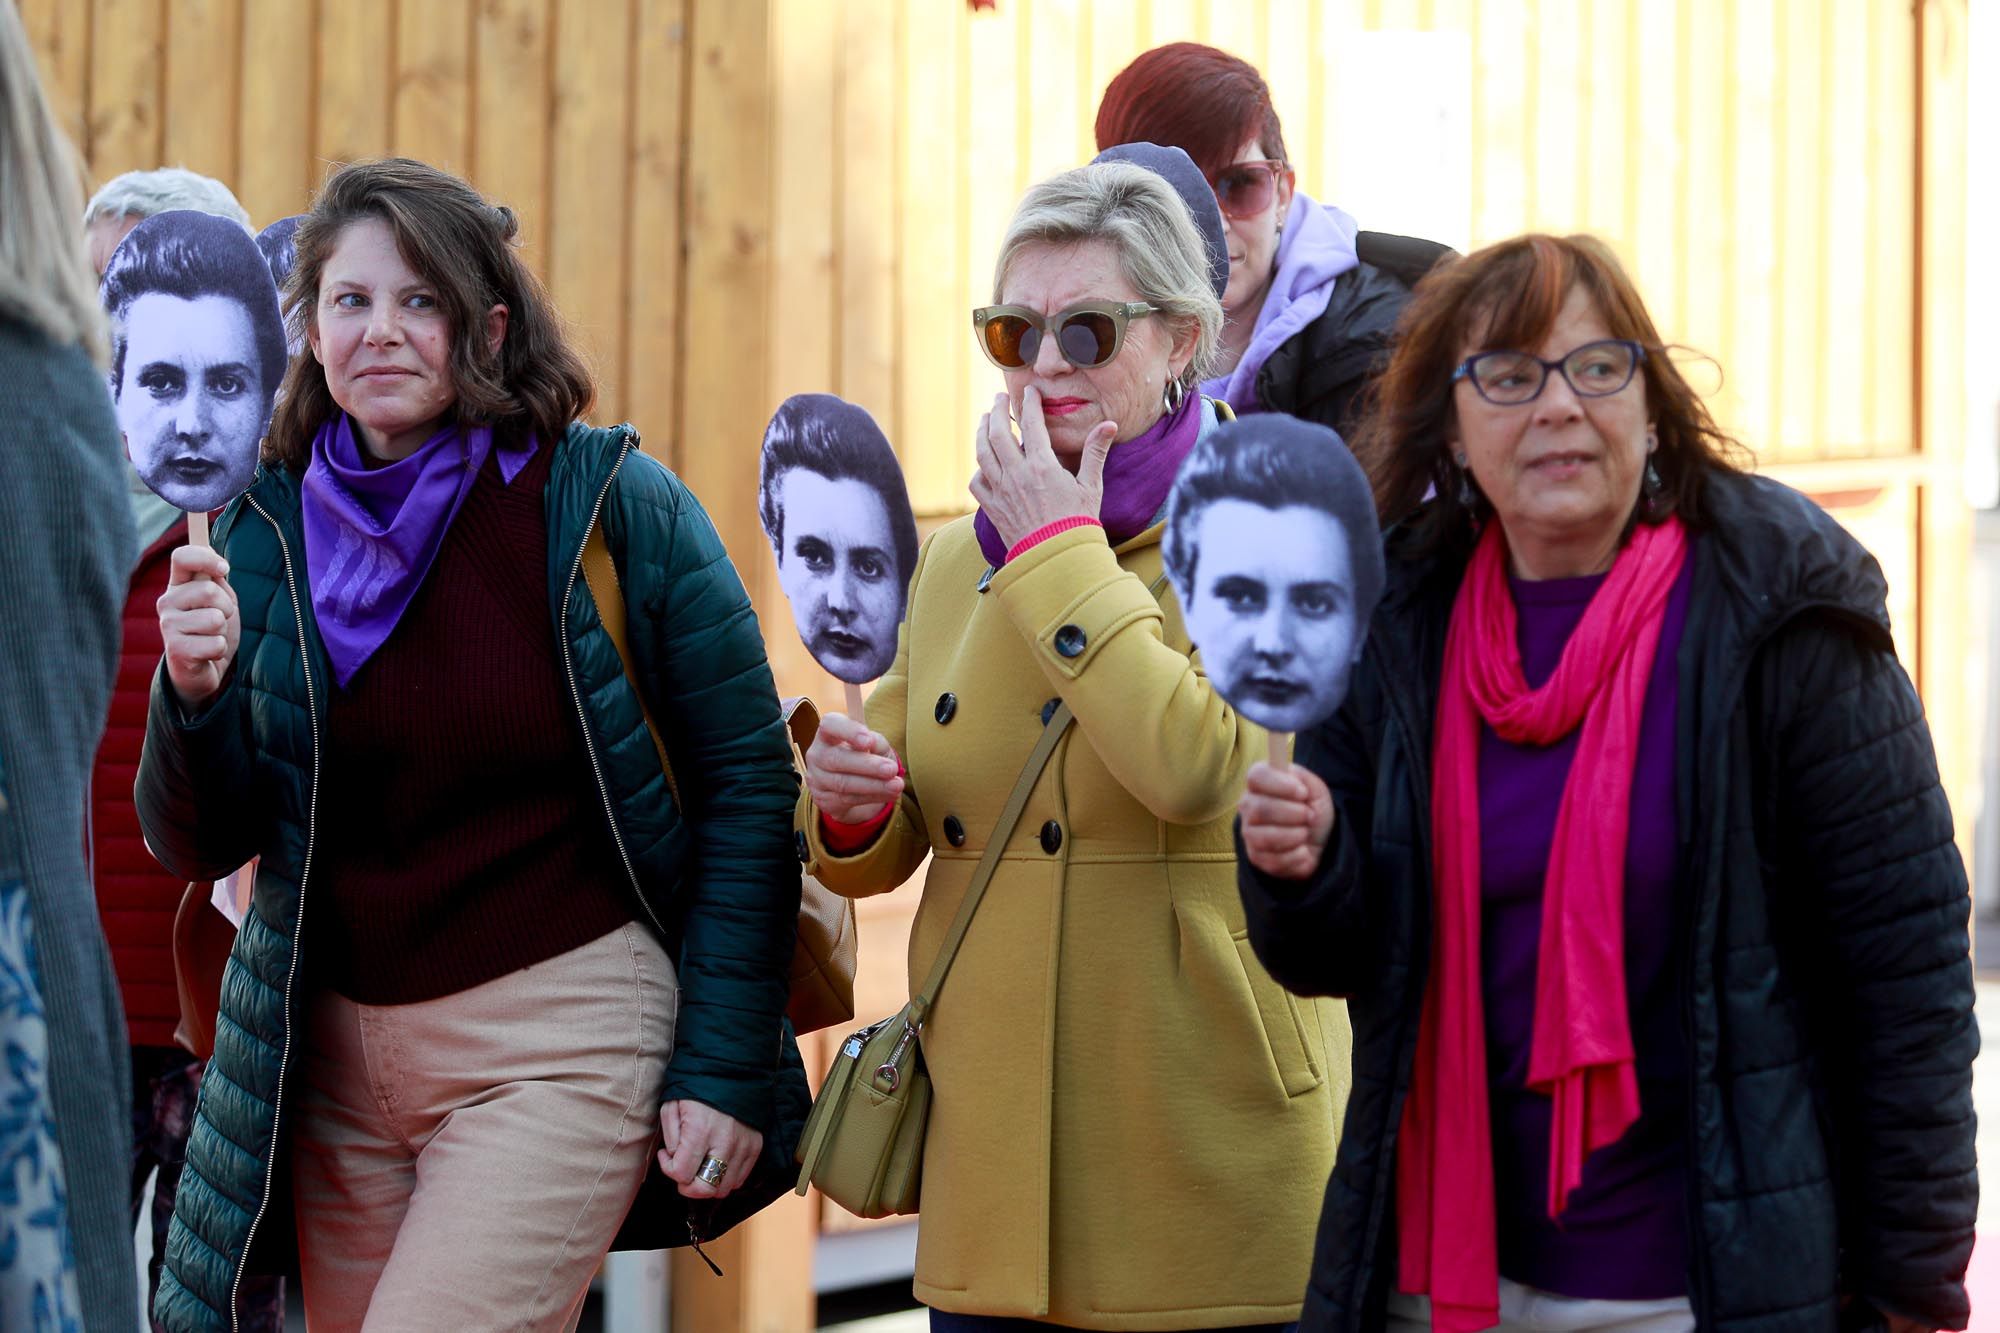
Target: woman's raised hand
851, 771
1023, 486
1287, 818
198, 624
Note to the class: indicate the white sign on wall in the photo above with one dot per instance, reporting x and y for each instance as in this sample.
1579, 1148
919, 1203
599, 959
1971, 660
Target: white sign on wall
1399, 120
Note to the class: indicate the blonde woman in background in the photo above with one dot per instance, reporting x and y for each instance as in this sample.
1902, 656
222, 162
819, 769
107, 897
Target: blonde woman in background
66, 543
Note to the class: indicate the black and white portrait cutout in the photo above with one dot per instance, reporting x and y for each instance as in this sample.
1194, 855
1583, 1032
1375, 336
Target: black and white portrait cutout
1274, 551
279, 245
197, 354
832, 500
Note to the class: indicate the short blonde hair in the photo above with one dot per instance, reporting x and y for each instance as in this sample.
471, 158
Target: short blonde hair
1162, 254
45, 277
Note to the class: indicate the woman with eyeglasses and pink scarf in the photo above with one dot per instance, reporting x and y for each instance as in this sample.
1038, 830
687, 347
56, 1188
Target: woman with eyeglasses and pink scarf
1312, 300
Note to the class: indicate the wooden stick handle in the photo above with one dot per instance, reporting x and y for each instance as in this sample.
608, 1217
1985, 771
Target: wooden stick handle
197, 527
855, 708
1281, 749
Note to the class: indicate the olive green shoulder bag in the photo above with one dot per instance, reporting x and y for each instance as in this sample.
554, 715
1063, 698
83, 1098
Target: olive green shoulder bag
863, 1145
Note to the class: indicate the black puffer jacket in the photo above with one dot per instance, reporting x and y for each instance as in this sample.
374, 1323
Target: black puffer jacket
1829, 1014
1318, 373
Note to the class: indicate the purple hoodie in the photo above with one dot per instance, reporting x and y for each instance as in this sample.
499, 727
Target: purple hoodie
1317, 247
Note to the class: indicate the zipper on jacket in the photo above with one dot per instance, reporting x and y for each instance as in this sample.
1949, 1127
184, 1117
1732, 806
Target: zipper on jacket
298, 922
576, 694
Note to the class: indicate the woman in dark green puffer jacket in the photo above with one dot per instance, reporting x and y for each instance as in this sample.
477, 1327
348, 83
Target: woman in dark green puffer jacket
529, 963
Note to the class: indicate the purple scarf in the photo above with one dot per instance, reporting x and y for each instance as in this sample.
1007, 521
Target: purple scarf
373, 532
1137, 477
1317, 247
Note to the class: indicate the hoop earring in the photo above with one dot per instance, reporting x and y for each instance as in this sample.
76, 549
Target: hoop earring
1172, 395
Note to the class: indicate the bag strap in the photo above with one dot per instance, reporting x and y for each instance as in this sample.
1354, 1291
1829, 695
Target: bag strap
801, 719
989, 860
602, 577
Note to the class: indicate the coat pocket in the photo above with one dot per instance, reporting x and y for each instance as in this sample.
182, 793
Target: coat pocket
1295, 1050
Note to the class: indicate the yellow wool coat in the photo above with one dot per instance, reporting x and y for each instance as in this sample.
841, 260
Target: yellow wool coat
1132, 1122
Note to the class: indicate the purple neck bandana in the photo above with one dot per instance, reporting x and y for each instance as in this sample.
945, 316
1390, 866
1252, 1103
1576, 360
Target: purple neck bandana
1137, 476
1317, 247
373, 532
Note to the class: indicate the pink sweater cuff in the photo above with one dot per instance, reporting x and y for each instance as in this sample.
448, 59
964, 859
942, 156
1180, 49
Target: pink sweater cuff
1048, 530
846, 839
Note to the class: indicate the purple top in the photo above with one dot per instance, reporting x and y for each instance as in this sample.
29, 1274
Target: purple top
1316, 247
373, 528
1624, 1235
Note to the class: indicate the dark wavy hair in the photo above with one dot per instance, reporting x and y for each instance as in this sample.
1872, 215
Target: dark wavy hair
1509, 295
840, 441
189, 255
465, 249
1274, 461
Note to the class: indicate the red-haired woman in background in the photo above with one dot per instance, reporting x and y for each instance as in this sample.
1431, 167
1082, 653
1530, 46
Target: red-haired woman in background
1312, 299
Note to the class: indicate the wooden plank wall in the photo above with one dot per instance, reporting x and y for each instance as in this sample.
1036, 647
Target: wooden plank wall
1753, 162
1747, 189
572, 113
827, 184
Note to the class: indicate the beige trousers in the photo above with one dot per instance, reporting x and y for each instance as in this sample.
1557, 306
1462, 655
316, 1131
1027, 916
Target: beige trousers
465, 1162
1531, 1310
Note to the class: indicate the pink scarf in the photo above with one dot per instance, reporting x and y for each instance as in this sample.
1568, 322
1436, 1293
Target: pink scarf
1581, 1053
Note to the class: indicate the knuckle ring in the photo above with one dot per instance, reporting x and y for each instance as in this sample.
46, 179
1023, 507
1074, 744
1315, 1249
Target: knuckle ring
712, 1170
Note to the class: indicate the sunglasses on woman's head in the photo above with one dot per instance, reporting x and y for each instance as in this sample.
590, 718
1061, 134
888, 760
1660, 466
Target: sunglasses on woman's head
1087, 335
1245, 189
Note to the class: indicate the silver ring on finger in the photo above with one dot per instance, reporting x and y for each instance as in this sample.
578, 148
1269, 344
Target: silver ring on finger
713, 1169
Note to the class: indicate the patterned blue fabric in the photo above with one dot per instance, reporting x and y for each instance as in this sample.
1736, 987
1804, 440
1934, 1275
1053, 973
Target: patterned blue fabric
37, 1263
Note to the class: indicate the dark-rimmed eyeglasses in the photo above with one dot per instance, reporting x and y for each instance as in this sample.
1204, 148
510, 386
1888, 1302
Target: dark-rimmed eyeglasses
1594, 370
1087, 335
1245, 189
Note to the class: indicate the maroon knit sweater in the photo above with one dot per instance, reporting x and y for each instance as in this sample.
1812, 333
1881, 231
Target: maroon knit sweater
460, 834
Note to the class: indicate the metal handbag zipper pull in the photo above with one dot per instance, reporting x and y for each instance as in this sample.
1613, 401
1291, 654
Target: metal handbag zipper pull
889, 1073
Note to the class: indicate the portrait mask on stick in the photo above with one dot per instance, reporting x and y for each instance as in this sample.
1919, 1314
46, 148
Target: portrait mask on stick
1275, 553
832, 501
197, 354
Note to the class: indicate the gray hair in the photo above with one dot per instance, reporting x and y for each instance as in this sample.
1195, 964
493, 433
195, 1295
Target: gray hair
141, 194
1163, 256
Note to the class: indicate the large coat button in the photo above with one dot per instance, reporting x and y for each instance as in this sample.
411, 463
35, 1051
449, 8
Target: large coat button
1070, 641
1049, 710
954, 831
947, 707
1051, 837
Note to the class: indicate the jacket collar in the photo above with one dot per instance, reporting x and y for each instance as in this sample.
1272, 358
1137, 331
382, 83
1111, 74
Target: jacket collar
583, 462
1765, 555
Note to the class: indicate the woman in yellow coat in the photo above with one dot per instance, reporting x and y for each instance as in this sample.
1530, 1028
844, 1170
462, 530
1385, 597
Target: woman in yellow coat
1130, 1116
